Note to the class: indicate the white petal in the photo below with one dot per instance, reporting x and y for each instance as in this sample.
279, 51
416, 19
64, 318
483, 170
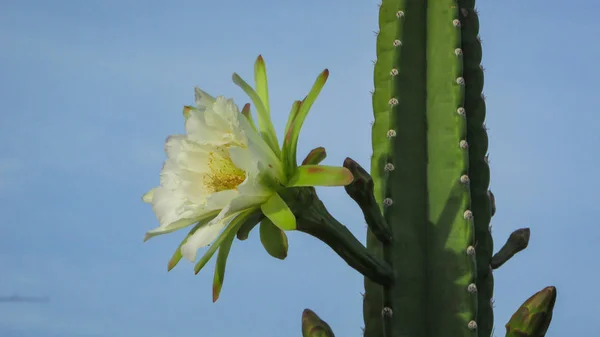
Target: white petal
227, 111
203, 237
171, 206
173, 145
218, 124
222, 115
178, 225
240, 203
221, 199
203, 99
242, 158
198, 131
261, 152
255, 186
182, 198
208, 233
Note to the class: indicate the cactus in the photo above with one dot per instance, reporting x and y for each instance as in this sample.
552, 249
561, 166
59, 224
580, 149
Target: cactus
426, 201
430, 172
428, 263
431, 175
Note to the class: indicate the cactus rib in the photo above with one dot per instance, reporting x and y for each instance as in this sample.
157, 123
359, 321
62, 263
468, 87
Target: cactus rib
479, 171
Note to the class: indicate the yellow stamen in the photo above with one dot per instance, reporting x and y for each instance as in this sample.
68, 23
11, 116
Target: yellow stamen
223, 174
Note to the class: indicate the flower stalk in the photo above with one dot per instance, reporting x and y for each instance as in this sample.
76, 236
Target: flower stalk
315, 220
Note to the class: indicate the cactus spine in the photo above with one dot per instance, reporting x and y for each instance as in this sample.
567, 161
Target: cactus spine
430, 172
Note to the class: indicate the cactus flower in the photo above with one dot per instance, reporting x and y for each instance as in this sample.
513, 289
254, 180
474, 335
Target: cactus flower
226, 168
221, 166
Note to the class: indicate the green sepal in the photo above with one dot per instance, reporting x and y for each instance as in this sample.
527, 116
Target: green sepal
320, 175
288, 155
260, 81
295, 122
315, 156
292, 116
273, 239
279, 213
220, 265
230, 230
264, 118
246, 112
248, 225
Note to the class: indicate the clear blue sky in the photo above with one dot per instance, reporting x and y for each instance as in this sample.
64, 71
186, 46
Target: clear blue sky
89, 91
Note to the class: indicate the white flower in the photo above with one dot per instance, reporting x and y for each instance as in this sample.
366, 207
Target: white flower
225, 169
221, 166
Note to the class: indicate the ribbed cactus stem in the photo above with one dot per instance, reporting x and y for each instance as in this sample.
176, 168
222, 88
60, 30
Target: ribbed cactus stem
430, 173
479, 172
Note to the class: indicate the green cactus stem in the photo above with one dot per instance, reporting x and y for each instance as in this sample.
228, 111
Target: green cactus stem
533, 318
314, 326
493, 201
517, 241
430, 173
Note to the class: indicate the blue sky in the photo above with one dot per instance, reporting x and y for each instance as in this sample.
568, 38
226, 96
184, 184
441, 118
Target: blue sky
91, 89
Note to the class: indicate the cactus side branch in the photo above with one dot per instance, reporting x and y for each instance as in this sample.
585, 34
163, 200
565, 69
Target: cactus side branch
314, 219
516, 242
361, 191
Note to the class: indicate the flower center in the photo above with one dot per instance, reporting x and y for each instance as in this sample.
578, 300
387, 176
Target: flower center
223, 174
